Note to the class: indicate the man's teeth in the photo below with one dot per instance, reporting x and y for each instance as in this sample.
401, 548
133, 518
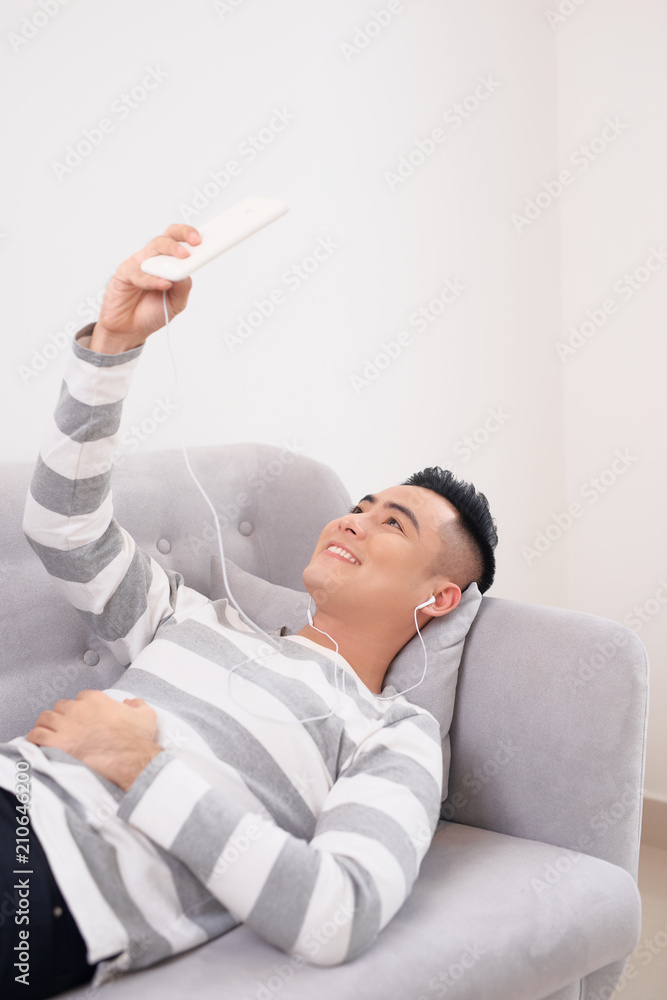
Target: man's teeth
342, 552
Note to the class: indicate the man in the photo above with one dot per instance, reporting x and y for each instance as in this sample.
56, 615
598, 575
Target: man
182, 800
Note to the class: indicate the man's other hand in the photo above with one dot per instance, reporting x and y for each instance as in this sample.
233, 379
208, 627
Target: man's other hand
113, 738
132, 306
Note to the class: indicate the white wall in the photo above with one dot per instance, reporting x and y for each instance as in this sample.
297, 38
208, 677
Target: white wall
352, 117
611, 64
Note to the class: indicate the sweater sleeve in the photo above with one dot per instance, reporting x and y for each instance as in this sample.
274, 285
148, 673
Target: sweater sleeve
325, 900
120, 591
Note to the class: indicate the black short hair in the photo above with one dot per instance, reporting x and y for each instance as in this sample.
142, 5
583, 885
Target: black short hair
470, 539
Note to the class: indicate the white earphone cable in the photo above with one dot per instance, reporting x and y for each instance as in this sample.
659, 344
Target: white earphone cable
390, 696
269, 638
272, 642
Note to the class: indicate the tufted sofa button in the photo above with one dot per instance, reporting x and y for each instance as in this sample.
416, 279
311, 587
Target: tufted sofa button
245, 527
163, 546
91, 657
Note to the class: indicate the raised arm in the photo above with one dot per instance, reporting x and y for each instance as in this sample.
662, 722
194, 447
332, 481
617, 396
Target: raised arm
121, 592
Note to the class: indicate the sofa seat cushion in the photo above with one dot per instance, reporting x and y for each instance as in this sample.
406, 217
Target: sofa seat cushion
491, 917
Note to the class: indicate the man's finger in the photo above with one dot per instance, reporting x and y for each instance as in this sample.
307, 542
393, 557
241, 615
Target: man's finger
41, 736
177, 295
183, 232
47, 719
63, 705
130, 273
94, 693
163, 244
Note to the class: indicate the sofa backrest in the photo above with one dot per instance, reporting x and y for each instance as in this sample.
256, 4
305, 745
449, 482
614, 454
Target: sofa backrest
549, 727
271, 504
548, 734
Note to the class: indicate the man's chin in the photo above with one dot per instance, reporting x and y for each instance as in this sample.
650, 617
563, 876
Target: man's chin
326, 588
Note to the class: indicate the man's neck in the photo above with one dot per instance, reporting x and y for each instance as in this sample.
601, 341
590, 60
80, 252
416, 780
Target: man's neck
368, 655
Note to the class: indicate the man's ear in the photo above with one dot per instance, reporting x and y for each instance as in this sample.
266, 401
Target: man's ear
447, 595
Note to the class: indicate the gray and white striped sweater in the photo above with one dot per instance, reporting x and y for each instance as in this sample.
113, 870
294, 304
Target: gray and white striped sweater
311, 833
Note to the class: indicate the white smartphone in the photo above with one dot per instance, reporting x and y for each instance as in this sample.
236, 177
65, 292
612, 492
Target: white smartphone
221, 233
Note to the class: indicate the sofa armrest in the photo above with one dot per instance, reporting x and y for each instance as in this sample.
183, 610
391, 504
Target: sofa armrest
549, 730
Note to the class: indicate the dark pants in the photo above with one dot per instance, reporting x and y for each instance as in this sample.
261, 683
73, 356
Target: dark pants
56, 951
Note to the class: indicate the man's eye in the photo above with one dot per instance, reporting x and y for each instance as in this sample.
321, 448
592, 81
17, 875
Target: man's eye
357, 510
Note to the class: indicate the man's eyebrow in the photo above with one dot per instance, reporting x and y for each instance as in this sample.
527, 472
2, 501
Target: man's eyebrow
391, 505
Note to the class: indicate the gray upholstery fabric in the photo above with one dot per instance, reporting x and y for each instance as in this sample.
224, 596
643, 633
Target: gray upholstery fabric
537, 751
472, 926
547, 743
571, 992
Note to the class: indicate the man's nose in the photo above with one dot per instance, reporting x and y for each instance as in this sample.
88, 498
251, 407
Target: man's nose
355, 524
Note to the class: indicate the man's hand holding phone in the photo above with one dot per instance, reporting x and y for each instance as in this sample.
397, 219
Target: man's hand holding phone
132, 307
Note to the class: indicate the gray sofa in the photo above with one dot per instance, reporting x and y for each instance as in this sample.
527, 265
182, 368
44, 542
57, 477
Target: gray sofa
529, 888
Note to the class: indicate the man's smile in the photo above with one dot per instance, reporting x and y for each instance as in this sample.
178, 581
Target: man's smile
342, 553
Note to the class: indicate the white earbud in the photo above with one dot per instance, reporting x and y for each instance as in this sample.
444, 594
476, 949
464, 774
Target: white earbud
431, 600
425, 604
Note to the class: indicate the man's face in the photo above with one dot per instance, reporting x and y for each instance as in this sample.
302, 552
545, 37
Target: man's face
394, 550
